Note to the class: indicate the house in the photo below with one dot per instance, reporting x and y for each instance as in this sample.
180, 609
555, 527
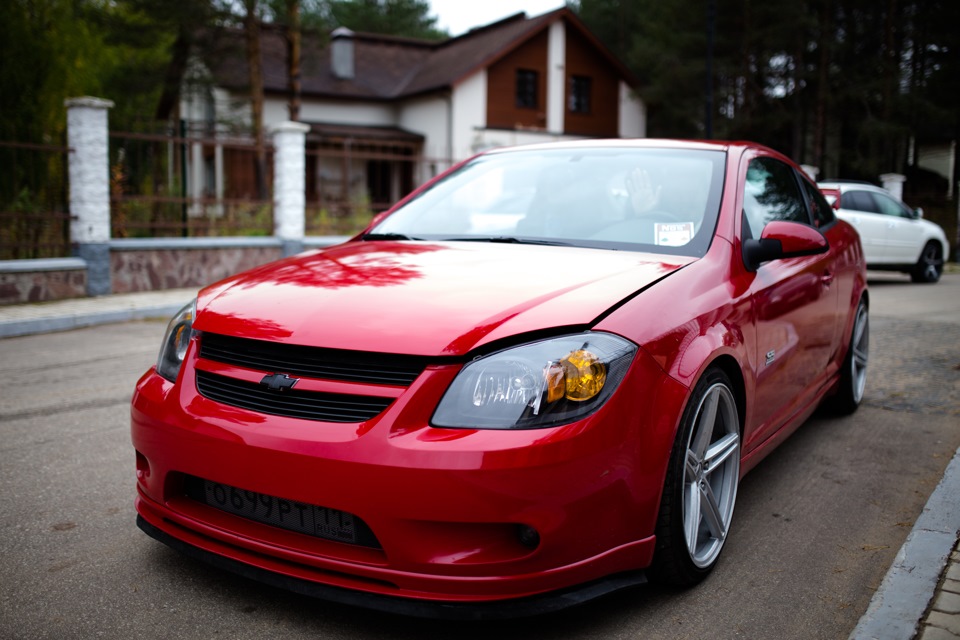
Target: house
388, 113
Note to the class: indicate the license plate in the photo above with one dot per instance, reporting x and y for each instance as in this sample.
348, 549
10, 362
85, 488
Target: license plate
331, 524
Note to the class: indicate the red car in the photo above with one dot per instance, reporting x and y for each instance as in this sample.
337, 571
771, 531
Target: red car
537, 379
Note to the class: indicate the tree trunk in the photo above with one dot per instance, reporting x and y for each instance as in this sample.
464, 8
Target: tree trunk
251, 25
823, 86
888, 144
293, 57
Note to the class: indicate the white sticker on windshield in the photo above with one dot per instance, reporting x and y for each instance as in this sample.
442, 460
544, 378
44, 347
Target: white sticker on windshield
673, 234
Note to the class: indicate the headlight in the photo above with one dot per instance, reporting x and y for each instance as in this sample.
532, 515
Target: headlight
175, 341
536, 385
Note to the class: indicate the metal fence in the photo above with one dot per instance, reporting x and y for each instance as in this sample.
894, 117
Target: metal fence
167, 185
187, 185
348, 181
34, 218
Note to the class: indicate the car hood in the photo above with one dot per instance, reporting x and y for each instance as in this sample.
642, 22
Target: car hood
425, 298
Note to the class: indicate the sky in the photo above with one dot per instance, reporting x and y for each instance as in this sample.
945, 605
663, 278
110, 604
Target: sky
459, 16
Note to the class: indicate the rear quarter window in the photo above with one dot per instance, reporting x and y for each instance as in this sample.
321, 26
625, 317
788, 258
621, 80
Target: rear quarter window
819, 207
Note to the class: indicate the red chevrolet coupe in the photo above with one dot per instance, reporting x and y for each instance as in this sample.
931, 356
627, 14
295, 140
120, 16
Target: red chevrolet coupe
536, 379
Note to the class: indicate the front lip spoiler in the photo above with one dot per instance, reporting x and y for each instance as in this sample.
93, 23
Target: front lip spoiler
497, 610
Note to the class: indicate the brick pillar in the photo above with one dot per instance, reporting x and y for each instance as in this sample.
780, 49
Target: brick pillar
89, 173
289, 184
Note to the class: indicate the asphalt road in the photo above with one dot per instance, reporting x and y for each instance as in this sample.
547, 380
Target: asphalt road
817, 524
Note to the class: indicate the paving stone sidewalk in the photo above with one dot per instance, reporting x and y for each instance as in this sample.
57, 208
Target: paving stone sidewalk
942, 620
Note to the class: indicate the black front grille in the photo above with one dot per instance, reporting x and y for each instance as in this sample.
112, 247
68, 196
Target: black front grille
312, 362
312, 520
292, 403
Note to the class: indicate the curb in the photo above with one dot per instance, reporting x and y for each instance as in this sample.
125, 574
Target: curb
14, 328
898, 606
75, 313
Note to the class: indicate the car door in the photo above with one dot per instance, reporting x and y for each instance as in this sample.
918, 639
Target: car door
904, 238
859, 208
794, 301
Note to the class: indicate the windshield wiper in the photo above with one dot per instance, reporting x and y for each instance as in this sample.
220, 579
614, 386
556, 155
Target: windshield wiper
386, 236
511, 240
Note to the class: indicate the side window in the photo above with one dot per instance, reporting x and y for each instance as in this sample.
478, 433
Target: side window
890, 207
821, 210
771, 193
859, 201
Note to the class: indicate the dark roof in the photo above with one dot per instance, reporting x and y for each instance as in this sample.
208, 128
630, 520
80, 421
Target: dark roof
337, 132
385, 67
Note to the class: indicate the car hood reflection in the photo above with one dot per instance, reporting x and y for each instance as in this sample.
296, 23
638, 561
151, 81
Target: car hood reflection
426, 298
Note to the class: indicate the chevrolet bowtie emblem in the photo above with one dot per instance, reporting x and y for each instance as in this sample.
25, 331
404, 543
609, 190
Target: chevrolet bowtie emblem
279, 381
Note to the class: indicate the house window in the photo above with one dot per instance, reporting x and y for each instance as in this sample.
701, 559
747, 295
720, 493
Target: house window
527, 82
580, 94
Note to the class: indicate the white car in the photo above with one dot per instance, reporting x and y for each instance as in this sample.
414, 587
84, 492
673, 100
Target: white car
894, 236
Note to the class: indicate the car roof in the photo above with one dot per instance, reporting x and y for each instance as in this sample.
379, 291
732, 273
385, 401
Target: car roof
629, 143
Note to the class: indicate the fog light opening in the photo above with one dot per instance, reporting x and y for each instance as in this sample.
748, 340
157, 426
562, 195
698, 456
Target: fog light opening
143, 467
528, 536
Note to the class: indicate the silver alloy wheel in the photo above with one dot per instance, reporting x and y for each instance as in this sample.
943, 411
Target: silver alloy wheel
860, 344
711, 475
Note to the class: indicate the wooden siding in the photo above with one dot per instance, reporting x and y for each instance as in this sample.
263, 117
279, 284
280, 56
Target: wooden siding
583, 59
502, 110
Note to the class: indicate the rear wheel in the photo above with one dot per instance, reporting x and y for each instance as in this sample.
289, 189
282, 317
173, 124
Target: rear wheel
930, 265
701, 484
853, 375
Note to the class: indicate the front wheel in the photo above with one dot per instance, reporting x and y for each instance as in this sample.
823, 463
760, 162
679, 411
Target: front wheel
929, 267
701, 484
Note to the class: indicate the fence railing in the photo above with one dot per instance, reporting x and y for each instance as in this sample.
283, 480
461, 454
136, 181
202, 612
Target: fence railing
197, 184
34, 218
165, 185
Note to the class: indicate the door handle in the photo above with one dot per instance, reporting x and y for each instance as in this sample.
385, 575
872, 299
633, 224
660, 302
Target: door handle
826, 278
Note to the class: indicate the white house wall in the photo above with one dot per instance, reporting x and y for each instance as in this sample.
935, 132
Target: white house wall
233, 112
939, 159
469, 115
454, 125
430, 117
633, 114
356, 113
493, 138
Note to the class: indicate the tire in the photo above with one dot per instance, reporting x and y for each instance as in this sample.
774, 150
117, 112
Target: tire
929, 266
853, 374
700, 488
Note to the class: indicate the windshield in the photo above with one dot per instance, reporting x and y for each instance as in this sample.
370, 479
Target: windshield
656, 200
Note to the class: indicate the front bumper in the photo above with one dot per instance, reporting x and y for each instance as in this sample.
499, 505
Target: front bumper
499, 610
444, 504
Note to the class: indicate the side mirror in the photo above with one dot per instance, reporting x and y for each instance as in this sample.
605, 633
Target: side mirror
918, 213
781, 240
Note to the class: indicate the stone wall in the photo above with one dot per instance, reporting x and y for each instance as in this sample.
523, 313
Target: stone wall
42, 280
145, 265
154, 264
